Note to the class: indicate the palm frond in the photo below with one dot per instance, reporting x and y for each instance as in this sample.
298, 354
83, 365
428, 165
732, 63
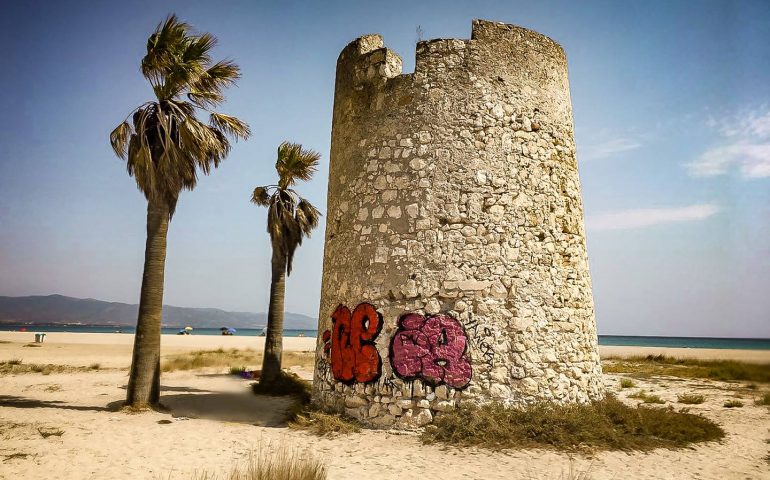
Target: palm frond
307, 216
119, 139
295, 163
260, 197
230, 125
206, 91
164, 48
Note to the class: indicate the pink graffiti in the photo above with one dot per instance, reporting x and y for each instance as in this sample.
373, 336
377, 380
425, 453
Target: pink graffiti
432, 349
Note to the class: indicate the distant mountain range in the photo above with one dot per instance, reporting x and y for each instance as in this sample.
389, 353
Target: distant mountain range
61, 310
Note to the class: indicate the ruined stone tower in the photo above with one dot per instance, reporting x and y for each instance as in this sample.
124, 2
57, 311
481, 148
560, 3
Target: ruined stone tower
455, 266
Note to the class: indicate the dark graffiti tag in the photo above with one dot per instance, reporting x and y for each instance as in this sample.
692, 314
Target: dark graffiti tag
350, 344
432, 349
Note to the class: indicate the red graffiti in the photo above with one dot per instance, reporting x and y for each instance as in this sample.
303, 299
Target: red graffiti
350, 344
432, 349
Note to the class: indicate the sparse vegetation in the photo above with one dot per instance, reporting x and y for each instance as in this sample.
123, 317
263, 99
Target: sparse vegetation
733, 404
324, 423
53, 388
647, 397
237, 370
604, 425
16, 455
724, 370
627, 383
280, 463
94, 366
690, 398
763, 400
232, 359
17, 367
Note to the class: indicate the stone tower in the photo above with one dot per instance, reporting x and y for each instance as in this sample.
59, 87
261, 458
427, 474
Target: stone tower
455, 266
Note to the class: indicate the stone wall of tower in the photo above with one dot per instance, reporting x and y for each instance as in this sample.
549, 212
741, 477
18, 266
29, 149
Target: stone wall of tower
455, 265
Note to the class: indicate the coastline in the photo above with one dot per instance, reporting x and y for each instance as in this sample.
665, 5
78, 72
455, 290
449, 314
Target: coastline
115, 348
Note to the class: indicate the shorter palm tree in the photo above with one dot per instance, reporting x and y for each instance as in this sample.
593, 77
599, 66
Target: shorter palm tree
290, 218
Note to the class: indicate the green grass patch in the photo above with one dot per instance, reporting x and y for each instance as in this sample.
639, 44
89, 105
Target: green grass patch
724, 370
733, 404
627, 383
647, 397
690, 398
608, 424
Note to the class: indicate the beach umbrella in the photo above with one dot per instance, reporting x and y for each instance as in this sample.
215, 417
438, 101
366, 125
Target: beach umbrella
188, 328
231, 330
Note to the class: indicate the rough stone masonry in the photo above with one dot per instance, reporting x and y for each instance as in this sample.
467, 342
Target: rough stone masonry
455, 266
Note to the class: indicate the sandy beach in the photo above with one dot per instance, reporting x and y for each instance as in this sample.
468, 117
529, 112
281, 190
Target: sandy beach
214, 421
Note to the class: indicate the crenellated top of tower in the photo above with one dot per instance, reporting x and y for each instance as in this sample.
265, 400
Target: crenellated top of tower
492, 46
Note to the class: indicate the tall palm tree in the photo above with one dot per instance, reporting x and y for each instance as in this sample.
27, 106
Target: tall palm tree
290, 218
165, 146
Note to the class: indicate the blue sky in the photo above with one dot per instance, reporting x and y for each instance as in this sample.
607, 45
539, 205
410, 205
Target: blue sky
672, 113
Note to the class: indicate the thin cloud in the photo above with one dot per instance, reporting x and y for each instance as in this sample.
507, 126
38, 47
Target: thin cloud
608, 148
744, 146
647, 217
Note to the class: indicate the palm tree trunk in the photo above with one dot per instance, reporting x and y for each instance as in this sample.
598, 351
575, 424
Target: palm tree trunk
144, 378
271, 363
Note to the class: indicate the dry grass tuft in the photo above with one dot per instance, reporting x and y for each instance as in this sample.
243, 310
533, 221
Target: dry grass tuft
17, 367
231, 359
724, 370
733, 404
17, 455
763, 400
608, 424
324, 424
627, 383
690, 398
270, 463
50, 432
647, 397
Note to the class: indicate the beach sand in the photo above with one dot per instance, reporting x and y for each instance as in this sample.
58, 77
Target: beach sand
214, 421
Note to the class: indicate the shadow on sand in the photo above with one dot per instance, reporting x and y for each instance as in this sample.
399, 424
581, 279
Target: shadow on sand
22, 402
239, 407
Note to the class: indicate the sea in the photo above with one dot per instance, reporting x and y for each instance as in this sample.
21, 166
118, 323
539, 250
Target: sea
612, 340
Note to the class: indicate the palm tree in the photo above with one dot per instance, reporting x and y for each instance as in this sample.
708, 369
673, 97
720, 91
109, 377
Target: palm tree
290, 218
165, 146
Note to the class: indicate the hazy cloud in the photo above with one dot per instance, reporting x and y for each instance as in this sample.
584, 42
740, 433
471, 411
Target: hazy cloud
607, 148
647, 217
744, 146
